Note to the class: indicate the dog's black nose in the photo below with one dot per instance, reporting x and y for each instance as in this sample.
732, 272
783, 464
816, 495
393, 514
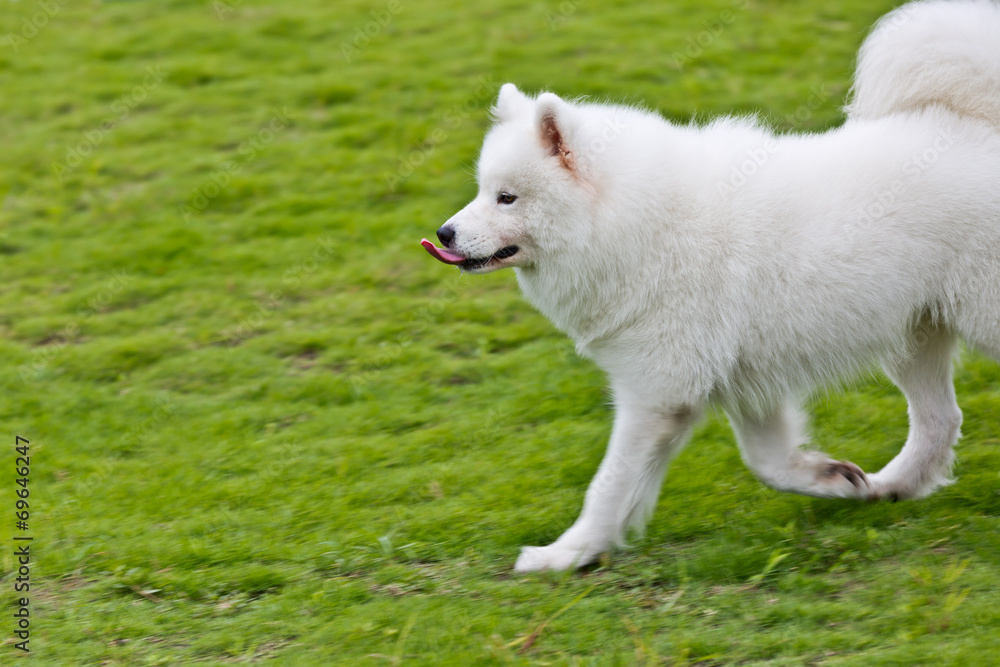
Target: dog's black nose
446, 234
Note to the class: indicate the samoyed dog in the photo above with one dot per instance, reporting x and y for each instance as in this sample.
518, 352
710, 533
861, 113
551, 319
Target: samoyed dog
728, 265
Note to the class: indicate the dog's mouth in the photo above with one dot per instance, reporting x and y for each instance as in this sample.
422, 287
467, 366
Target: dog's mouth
467, 263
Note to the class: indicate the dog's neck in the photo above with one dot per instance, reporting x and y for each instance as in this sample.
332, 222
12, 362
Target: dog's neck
588, 304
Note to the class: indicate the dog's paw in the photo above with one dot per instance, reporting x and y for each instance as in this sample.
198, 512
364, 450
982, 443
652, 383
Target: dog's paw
890, 487
849, 471
843, 479
553, 557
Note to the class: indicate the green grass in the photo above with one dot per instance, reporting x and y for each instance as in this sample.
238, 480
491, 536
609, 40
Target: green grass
266, 426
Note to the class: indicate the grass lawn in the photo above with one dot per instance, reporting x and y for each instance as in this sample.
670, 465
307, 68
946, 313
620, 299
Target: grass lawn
265, 426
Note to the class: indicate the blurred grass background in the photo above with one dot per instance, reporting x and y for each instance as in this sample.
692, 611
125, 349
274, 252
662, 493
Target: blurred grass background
266, 426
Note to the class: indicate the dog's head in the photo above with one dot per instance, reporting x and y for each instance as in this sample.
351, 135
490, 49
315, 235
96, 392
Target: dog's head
536, 169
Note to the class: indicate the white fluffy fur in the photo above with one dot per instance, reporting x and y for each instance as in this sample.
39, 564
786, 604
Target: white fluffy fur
931, 53
727, 265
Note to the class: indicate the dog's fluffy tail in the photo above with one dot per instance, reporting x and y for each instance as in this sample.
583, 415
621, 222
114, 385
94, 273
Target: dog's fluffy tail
940, 52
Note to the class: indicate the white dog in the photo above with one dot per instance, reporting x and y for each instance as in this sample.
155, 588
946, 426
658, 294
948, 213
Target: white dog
728, 265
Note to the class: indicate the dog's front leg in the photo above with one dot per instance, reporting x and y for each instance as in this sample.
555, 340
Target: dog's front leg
771, 446
625, 489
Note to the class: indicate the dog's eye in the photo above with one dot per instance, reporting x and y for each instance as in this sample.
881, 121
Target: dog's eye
506, 198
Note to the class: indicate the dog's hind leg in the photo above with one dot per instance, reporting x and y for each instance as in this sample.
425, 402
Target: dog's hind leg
771, 448
924, 464
625, 489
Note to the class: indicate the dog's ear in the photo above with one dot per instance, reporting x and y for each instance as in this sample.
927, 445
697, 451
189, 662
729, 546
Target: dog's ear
510, 102
553, 117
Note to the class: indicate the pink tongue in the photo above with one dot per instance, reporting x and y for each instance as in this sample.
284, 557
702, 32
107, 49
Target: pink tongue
441, 254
